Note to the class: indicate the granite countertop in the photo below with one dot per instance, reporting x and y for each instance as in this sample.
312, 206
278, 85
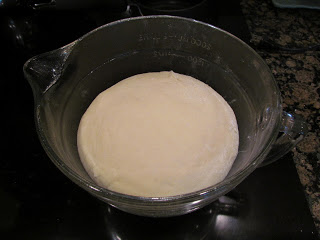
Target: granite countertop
289, 41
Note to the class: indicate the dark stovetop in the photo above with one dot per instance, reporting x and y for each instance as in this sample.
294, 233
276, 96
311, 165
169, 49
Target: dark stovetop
38, 202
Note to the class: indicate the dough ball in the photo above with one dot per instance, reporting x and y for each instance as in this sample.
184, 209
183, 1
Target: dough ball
158, 134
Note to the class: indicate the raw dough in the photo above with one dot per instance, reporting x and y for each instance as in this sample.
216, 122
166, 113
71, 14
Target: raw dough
158, 134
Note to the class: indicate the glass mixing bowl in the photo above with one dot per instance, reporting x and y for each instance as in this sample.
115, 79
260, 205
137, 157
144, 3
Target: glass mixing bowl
66, 80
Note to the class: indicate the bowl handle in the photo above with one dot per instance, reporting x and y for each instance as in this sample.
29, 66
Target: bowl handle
44, 70
293, 129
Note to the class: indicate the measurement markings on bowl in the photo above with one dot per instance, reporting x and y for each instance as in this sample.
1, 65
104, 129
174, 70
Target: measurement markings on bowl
193, 59
194, 41
155, 37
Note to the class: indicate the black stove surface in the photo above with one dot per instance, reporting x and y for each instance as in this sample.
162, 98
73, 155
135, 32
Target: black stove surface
38, 202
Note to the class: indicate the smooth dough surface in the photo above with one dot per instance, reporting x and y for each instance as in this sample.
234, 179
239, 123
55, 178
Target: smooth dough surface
158, 134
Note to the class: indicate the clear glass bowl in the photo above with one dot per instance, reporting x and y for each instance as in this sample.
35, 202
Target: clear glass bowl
66, 80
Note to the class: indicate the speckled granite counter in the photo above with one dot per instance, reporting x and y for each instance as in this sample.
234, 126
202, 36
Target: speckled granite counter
289, 41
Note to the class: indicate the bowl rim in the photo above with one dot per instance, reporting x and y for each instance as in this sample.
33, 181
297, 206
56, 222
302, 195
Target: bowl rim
112, 195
